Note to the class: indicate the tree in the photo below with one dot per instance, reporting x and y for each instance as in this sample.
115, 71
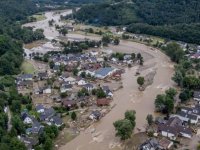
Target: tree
171, 92
141, 61
116, 41
140, 80
159, 102
133, 56
100, 93
48, 144
185, 95
178, 78
123, 128
130, 115
106, 39
51, 64
139, 56
73, 115
149, 119
75, 72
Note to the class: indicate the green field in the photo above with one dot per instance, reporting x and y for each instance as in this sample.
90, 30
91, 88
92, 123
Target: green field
39, 16
27, 67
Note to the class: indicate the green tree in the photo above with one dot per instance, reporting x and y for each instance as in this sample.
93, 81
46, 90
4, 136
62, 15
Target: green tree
73, 115
149, 119
140, 81
130, 115
116, 41
123, 128
100, 93
75, 72
171, 92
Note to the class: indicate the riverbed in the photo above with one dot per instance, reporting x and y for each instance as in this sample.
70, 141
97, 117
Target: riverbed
127, 98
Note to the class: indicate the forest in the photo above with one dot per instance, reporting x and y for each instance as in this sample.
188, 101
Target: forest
12, 14
172, 19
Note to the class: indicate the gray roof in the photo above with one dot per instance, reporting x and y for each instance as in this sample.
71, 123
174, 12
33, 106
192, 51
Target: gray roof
151, 144
104, 71
36, 128
187, 115
39, 107
48, 112
174, 126
25, 76
196, 94
57, 120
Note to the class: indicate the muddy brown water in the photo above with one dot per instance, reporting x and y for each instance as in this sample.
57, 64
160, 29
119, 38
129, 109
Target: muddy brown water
127, 98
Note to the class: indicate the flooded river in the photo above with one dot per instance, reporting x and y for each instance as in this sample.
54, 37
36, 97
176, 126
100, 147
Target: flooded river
127, 98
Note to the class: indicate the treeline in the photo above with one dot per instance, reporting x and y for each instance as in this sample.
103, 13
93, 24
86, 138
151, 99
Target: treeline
168, 12
106, 14
10, 129
12, 14
177, 20
182, 32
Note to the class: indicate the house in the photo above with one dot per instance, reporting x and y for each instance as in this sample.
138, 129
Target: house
64, 77
127, 57
94, 53
89, 87
165, 144
29, 142
151, 144
47, 114
25, 77
192, 111
46, 90
40, 108
95, 115
27, 119
36, 129
56, 120
69, 28
104, 72
90, 72
42, 75
196, 95
187, 117
103, 102
69, 103
56, 68
24, 84
81, 82
70, 80
107, 91
65, 87
173, 128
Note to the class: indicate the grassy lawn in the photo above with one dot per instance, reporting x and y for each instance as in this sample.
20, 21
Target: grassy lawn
39, 16
27, 67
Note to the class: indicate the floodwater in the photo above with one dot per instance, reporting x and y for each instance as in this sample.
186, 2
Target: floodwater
49, 32
127, 98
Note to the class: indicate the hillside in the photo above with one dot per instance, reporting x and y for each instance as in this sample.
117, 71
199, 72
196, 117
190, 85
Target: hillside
12, 14
174, 19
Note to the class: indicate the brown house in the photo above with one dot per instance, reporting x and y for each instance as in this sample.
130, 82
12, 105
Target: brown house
69, 103
103, 102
